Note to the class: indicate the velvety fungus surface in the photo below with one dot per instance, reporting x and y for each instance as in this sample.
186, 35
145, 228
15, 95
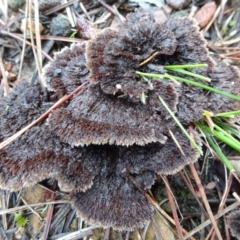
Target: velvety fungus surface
109, 141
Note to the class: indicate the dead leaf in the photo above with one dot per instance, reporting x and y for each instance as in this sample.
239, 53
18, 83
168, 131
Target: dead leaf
205, 14
211, 185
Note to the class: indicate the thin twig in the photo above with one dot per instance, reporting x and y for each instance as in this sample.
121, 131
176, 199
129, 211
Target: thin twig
174, 211
37, 33
24, 43
205, 201
48, 218
15, 209
217, 216
32, 39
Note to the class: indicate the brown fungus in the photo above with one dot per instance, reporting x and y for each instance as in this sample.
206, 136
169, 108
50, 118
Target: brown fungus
114, 56
93, 117
225, 78
37, 154
23, 105
67, 71
118, 116
113, 173
233, 222
191, 46
115, 199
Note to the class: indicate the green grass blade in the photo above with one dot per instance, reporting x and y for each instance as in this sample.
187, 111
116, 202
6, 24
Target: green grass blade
192, 74
215, 90
228, 114
227, 127
181, 126
230, 141
219, 152
197, 84
171, 67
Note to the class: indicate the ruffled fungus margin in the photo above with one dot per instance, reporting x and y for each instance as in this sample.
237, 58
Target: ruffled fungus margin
107, 135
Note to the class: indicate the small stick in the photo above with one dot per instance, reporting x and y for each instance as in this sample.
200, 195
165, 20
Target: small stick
48, 218
174, 211
206, 223
204, 198
24, 43
15, 209
149, 59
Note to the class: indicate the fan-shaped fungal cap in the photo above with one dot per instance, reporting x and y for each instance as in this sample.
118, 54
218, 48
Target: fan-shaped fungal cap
170, 159
165, 158
226, 78
67, 71
191, 46
23, 105
114, 56
233, 220
37, 154
113, 199
192, 102
93, 117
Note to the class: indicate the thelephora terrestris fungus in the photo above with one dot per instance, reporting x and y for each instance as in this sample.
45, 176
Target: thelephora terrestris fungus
107, 170
67, 71
96, 121
38, 154
233, 222
226, 78
114, 199
114, 56
108, 142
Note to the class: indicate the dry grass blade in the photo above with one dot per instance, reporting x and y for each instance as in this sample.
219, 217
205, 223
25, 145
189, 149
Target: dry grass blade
4, 77
190, 186
48, 219
176, 142
24, 43
43, 37
156, 206
205, 201
31, 209
3, 205
37, 33
78, 234
56, 105
15, 209
32, 38
222, 203
59, 7
212, 20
